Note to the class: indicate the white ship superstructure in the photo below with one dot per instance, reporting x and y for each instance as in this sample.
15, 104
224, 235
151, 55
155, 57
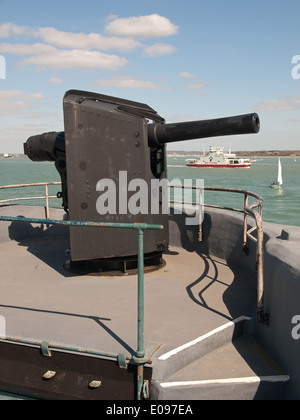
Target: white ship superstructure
216, 158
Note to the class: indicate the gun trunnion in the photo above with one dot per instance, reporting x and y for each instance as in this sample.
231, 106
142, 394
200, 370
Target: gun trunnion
102, 137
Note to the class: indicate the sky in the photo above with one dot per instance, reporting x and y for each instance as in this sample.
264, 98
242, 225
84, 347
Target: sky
189, 60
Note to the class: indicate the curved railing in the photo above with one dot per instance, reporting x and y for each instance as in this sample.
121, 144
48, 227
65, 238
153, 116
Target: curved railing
253, 210
45, 197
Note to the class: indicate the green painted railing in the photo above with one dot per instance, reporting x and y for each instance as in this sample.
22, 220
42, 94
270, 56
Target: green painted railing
139, 358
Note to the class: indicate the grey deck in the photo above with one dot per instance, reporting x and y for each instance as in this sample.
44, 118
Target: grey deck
189, 306
192, 295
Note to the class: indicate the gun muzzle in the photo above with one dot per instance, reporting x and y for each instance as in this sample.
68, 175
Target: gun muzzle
45, 147
159, 134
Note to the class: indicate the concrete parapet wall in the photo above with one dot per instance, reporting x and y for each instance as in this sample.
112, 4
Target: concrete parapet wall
222, 234
282, 301
223, 237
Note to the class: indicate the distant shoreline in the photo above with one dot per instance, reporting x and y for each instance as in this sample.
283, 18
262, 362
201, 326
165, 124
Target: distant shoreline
252, 154
12, 155
259, 154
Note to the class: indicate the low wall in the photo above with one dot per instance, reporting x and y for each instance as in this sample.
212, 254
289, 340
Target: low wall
223, 237
222, 234
282, 301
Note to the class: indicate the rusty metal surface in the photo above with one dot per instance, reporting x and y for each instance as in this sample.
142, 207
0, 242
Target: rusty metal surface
24, 370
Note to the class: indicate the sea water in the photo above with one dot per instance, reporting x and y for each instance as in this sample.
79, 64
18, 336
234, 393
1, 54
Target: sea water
279, 206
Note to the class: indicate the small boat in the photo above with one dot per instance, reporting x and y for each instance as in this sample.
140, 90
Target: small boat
216, 158
279, 182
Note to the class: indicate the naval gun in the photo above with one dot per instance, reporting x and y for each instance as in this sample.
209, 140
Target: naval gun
112, 141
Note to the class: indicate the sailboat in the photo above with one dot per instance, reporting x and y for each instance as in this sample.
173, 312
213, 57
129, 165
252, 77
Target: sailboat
279, 182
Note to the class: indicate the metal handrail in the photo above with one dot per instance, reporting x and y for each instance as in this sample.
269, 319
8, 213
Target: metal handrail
249, 210
38, 184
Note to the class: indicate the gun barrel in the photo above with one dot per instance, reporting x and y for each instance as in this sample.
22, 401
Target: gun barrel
47, 146
159, 134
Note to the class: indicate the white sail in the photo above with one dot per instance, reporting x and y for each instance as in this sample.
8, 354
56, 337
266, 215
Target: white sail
279, 179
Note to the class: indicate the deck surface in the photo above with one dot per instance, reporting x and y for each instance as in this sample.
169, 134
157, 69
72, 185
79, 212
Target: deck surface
190, 296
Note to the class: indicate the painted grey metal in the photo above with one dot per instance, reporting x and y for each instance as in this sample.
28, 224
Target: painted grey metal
101, 142
168, 133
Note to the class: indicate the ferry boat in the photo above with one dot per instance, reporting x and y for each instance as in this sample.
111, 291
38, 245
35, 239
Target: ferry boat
216, 158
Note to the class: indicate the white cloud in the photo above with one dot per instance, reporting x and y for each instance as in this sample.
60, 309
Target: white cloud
9, 29
186, 75
67, 59
56, 80
157, 50
47, 56
128, 82
283, 104
81, 41
151, 26
13, 101
111, 17
66, 50
12, 108
61, 39
7, 95
26, 49
196, 86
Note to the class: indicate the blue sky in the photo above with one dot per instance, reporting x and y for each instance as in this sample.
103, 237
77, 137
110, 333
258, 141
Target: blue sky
189, 60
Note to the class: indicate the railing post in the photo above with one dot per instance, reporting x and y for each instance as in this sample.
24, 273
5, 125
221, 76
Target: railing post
201, 213
262, 315
245, 221
47, 201
141, 350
